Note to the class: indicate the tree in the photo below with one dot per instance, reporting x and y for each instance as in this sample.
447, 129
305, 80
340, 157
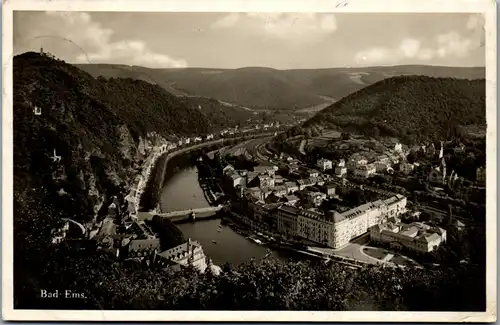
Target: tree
345, 136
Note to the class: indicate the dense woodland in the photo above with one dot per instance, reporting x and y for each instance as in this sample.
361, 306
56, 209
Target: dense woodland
93, 124
412, 108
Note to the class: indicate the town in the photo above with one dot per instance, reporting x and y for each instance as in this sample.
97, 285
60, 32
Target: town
333, 204
344, 210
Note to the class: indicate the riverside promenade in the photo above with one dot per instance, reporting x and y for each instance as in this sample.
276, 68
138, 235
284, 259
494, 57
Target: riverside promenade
171, 150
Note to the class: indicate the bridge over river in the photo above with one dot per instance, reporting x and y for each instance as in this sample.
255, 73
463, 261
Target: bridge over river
181, 215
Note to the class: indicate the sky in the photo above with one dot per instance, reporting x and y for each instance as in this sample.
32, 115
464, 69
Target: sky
235, 40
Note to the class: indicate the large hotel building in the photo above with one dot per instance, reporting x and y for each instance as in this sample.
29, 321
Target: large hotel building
337, 229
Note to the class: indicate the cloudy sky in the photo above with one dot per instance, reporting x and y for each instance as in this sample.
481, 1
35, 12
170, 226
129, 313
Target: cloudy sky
234, 40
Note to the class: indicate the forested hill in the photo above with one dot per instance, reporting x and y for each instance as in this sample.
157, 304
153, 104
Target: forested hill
81, 148
413, 108
94, 126
267, 88
142, 105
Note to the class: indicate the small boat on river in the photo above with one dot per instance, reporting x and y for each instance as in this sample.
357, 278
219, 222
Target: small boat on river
255, 240
213, 241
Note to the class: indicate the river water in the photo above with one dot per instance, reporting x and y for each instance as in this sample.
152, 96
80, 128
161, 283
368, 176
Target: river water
181, 192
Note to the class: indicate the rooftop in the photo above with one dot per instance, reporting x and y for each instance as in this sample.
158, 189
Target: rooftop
306, 181
272, 206
289, 209
330, 185
315, 215
280, 188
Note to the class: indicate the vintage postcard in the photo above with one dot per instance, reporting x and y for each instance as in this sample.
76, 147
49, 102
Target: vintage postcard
249, 160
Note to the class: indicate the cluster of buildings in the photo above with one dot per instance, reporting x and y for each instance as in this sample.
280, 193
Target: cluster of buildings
334, 229
291, 217
263, 181
236, 130
136, 241
140, 181
187, 141
363, 167
358, 165
417, 236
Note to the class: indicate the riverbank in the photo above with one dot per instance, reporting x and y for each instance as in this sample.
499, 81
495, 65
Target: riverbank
163, 166
267, 239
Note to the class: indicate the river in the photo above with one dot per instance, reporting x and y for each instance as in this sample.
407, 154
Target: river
182, 191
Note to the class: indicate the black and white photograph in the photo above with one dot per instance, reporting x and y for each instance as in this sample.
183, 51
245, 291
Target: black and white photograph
205, 163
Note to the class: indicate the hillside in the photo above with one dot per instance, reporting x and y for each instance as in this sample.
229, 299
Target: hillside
95, 126
266, 88
414, 108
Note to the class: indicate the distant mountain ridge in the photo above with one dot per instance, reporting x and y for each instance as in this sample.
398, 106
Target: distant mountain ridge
415, 108
272, 89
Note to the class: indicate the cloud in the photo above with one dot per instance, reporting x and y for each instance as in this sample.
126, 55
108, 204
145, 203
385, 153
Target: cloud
442, 46
281, 25
475, 22
409, 47
454, 44
98, 45
226, 21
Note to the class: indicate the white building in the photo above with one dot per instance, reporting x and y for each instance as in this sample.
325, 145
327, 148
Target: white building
185, 254
280, 191
337, 229
316, 198
324, 164
382, 164
291, 187
330, 189
416, 236
340, 169
236, 179
316, 227
365, 171
357, 221
307, 182
355, 161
